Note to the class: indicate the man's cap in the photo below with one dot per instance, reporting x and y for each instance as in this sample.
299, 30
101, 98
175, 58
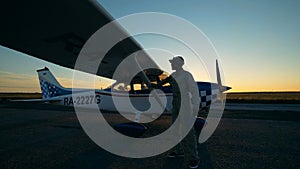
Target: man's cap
177, 59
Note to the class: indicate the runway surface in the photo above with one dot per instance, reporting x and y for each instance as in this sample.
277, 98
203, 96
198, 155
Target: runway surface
46, 136
263, 107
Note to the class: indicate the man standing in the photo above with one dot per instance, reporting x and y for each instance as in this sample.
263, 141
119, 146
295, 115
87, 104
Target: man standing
186, 94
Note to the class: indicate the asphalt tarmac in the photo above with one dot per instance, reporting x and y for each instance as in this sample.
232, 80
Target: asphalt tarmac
47, 136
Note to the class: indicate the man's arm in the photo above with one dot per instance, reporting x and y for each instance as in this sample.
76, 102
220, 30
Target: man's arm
193, 88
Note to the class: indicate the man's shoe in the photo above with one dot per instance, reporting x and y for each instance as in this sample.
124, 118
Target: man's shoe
174, 154
194, 164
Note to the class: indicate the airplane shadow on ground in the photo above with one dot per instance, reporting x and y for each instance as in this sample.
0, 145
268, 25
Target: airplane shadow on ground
99, 158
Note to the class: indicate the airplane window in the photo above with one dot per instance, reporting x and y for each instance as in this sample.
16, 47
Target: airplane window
120, 87
166, 84
163, 76
140, 86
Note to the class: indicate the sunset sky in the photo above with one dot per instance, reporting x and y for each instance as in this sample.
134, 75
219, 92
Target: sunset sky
258, 43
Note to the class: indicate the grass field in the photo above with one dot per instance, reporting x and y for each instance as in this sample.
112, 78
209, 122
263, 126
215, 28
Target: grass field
20, 95
243, 97
264, 97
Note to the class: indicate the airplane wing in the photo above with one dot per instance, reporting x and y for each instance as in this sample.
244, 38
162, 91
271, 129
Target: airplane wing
56, 31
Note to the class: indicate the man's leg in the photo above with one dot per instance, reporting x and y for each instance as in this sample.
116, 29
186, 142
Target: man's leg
190, 146
177, 151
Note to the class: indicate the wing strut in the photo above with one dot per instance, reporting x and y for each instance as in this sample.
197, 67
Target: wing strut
148, 83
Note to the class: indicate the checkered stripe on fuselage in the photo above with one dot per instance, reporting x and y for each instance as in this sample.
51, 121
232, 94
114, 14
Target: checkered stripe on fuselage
207, 97
48, 90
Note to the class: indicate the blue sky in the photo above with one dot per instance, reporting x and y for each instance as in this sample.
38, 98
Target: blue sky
258, 42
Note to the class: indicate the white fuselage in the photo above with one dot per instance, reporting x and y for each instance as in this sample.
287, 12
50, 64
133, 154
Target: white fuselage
116, 101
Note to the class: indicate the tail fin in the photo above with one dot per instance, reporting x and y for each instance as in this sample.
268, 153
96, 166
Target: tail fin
218, 75
221, 87
49, 85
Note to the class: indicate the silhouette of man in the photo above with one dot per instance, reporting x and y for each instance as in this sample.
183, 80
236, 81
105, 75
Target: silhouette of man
189, 99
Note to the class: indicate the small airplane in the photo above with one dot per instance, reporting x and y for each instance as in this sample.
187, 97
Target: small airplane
53, 92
